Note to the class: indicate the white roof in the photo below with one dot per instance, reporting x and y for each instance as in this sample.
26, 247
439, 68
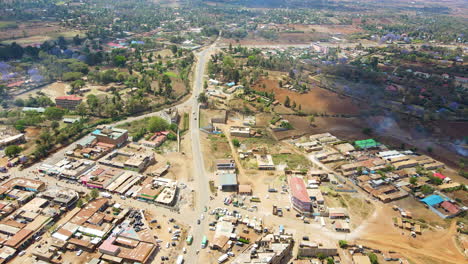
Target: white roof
60, 236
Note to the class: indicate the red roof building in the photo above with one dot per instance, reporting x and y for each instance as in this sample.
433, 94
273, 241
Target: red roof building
440, 176
68, 101
15, 84
451, 208
299, 196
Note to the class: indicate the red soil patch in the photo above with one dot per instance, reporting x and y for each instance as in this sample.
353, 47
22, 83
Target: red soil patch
315, 101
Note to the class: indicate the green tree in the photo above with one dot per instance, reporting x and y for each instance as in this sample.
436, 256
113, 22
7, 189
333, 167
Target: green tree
321, 256
79, 203
94, 193
330, 260
71, 76
287, 102
174, 49
119, 60
172, 136
54, 113
413, 180
156, 124
373, 258
343, 243
76, 85
13, 150
202, 98
92, 101
55, 125
236, 142
81, 109
426, 189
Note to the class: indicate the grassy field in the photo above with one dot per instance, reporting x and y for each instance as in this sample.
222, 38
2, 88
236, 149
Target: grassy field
293, 161
8, 25
171, 74
45, 37
135, 126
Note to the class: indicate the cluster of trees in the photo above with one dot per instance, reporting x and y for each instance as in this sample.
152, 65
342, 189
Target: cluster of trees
156, 124
425, 28
34, 101
58, 136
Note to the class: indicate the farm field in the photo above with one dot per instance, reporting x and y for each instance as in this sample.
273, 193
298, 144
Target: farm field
35, 32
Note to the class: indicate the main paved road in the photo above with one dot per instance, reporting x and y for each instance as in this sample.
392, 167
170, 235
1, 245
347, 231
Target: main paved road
199, 172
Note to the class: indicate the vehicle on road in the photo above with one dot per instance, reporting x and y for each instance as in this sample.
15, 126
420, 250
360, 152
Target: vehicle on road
79, 252
223, 258
204, 242
180, 259
189, 240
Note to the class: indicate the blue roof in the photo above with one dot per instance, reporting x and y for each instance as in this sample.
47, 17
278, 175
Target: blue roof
96, 132
432, 200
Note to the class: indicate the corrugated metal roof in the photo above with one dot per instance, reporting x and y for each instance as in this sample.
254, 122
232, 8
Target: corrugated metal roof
298, 189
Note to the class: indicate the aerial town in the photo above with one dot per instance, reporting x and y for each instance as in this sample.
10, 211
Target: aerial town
228, 131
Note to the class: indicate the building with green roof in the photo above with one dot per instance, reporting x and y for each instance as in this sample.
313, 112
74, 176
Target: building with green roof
366, 143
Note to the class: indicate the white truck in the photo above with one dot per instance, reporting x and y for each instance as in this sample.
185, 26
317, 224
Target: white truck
223, 258
180, 259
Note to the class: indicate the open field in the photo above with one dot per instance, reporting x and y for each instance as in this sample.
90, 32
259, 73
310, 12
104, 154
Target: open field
317, 100
214, 147
52, 90
35, 32
433, 246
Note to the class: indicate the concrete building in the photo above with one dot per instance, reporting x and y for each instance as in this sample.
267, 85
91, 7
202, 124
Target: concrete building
361, 259
68, 101
61, 197
225, 164
270, 249
265, 162
300, 199
111, 135
239, 131
228, 182
8, 140
135, 161
312, 248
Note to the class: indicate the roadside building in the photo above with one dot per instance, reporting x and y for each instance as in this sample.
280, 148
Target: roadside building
228, 182
245, 189
111, 135
271, 249
316, 195
312, 248
225, 164
337, 213
299, 197
361, 259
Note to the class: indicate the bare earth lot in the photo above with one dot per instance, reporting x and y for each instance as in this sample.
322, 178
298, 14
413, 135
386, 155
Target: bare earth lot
317, 100
52, 90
